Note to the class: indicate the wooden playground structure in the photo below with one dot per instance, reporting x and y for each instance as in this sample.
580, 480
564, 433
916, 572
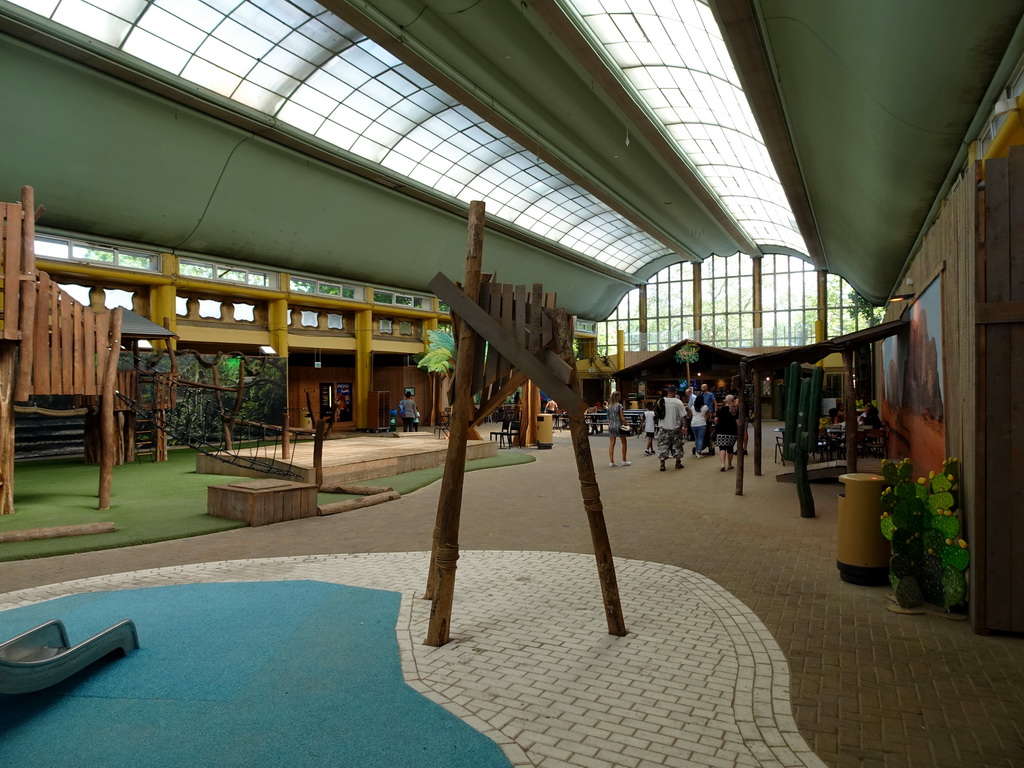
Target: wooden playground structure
50, 344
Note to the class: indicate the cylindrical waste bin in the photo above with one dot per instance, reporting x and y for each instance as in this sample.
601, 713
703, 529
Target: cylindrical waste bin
862, 552
545, 430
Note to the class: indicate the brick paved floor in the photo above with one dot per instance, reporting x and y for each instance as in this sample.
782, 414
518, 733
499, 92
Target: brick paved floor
868, 688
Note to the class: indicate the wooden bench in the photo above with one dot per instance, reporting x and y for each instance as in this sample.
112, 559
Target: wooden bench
262, 502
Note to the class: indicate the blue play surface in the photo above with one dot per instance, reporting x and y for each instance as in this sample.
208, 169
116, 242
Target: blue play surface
292, 673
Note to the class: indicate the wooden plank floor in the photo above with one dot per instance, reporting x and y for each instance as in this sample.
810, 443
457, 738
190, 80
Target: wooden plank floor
352, 459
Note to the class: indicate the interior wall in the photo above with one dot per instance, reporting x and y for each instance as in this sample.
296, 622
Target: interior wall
950, 247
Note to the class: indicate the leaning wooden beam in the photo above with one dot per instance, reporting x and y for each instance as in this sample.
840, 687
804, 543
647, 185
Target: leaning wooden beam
57, 532
513, 383
590, 490
444, 553
505, 343
336, 507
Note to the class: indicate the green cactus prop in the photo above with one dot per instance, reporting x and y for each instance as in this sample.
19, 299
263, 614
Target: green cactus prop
928, 556
803, 399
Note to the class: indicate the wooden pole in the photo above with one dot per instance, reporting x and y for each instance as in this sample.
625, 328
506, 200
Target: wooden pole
108, 435
28, 293
318, 452
286, 446
588, 485
741, 429
850, 406
8, 350
444, 553
758, 443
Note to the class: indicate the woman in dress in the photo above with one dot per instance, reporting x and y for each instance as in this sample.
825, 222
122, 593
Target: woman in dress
725, 432
615, 422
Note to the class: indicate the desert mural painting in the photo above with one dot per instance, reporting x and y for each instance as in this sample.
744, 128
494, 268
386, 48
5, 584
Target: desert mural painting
912, 404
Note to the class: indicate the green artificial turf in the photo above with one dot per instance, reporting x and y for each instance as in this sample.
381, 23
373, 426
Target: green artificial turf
149, 501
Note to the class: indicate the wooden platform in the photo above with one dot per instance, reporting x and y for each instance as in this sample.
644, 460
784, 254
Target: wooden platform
352, 459
262, 502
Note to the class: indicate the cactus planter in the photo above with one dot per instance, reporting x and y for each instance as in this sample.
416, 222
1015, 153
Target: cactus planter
803, 398
928, 556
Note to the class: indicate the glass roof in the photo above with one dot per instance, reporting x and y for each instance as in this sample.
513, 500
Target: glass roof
299, 63
674, 59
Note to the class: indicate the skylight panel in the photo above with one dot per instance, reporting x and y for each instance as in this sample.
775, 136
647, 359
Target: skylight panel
293, 60
156, 51
675, 61
241, 39
92, 21
226, 57
172, 29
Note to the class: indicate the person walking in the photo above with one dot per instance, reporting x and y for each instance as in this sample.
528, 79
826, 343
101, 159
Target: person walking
649, 428
410, 413
616, 421
699, 425
709, 400
725, 432
670, 429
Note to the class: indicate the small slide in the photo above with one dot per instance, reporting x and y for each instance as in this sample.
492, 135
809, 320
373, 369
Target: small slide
42, 657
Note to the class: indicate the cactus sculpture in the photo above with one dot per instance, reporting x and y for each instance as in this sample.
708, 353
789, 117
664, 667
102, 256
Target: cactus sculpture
928, 555
803, 401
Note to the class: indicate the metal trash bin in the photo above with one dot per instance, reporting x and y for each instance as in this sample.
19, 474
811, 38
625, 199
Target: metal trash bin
862, 552
545, 430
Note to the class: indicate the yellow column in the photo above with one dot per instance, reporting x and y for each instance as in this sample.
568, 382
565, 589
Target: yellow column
364, 367
163, 307
642, 320
698, 304
758, 303
821, 326
620, 356
277, 325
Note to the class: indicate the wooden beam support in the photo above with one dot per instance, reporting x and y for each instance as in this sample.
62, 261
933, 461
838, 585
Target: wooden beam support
444, 553
505, 343
590, 490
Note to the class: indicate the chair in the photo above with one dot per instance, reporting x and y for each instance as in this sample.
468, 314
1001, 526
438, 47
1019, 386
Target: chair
509, 432
442, 427
874, 443
514, 434
780, 442
500, 436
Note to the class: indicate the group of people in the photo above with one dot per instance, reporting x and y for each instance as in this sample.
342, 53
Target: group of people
667, 421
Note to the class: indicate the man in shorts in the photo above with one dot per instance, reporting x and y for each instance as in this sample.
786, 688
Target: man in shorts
670, 429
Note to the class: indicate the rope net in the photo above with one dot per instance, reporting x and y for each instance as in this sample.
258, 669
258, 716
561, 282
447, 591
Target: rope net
220, 405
